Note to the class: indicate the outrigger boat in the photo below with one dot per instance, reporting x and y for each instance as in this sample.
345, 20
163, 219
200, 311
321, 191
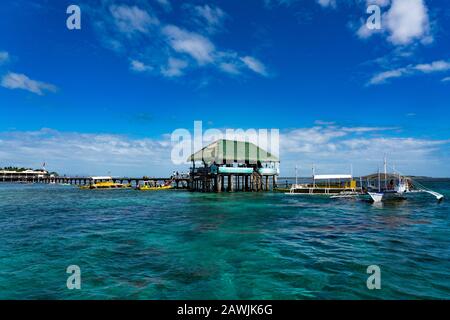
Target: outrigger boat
147, 186
105, 183
335, 185
327, 184
394, 186
398, 187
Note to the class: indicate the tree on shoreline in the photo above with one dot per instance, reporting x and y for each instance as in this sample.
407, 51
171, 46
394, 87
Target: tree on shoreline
22, 169
15, 169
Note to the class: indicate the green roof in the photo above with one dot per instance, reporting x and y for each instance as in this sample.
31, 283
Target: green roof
230, 151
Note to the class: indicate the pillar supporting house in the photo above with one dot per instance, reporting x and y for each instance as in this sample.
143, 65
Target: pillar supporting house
231, 166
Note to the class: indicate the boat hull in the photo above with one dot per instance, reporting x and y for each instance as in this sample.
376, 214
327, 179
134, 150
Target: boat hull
386, 196
146, 188
106, 186
320, 191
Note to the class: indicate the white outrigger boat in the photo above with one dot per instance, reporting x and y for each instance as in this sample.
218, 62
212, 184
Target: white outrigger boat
397, 191
393, 186
401, 191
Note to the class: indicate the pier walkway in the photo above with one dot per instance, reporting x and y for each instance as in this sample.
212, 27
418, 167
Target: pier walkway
180, 182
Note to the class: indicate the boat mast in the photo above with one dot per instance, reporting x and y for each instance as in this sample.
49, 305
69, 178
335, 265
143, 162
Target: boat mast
296, 179
379, 180
314, 173
385, 173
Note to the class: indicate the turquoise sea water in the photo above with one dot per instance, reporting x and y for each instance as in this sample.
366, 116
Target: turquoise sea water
182, 245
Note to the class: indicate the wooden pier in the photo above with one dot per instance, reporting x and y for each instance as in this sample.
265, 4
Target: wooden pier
201, 181
180, 182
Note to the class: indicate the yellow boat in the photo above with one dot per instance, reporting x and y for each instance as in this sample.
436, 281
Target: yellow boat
100, 183
148, 187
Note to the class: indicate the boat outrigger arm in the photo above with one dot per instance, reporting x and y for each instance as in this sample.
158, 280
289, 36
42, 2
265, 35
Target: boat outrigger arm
438, 196
387, 195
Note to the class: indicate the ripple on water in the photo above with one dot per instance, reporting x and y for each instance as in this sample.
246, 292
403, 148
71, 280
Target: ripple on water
183, 245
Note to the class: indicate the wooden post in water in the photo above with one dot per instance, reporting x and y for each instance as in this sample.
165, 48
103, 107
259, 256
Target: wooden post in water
218, 183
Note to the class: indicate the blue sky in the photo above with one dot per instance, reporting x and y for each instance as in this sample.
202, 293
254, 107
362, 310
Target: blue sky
106, 98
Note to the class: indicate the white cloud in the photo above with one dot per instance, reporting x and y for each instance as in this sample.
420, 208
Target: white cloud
21, 81
331, 147
211, 15
327, 3
436, 66
447, 79
132, 19
165, 4
382, 77
323, 3
174, 68
203, 51
255, 65
86, 153
381, 3
4, 57
407, 20
197, 46
360, 130
139, 66
364, 32
137, 32
230, 68
324, 123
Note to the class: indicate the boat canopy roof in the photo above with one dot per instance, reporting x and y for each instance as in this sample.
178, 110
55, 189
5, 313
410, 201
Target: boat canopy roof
332, 176
101, 178
227, 151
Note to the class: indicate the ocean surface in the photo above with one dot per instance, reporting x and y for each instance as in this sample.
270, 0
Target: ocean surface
182, 245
